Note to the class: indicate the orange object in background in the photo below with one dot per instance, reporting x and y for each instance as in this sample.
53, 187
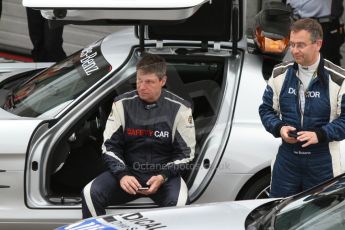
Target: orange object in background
271, 45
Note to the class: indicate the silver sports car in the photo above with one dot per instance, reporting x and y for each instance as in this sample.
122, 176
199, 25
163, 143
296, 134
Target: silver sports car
52, 116
320, 208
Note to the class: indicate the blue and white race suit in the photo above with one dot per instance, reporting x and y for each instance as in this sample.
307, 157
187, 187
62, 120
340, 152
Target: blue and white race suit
296, 168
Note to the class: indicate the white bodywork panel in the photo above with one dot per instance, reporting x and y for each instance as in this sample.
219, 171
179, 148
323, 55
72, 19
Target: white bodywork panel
14, 142
227, 215
110, 4
117, 10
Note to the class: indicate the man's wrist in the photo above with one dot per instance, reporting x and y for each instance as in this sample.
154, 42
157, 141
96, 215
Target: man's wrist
120, 175
320, 134
165, 178
277, 130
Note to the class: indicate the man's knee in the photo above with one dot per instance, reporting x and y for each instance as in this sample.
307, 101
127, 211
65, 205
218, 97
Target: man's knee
92, 193
284, 185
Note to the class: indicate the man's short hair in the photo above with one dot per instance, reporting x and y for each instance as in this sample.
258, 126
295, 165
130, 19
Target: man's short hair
152, 63
310, 25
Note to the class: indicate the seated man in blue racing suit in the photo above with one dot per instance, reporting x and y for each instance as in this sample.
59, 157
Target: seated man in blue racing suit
304, 104
148, 140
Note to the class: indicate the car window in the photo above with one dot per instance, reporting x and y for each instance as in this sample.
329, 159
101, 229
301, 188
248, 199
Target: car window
332, 219
324, 209
50, 91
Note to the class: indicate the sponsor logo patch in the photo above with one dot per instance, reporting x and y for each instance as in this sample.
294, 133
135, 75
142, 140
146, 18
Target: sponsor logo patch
190, 119
148, 133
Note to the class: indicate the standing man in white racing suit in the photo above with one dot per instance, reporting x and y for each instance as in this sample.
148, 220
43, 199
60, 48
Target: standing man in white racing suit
148, 140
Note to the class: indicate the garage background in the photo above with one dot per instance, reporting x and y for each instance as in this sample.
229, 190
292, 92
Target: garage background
14, 30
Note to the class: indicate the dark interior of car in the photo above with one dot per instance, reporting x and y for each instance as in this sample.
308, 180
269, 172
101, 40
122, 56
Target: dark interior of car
77, 158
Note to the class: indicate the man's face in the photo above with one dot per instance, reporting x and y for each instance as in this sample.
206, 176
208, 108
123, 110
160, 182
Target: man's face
303, 49
149, 86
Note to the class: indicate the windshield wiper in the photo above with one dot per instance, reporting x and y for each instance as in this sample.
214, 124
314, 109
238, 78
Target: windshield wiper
270, 217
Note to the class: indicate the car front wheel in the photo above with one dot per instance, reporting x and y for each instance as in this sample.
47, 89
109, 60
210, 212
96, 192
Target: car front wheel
257, 189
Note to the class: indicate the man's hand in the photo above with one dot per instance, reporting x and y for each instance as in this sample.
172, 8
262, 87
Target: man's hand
284, 133
130, 184
308, 136
303, 136
155, 182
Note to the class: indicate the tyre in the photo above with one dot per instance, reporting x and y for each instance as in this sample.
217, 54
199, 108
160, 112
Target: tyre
256, 189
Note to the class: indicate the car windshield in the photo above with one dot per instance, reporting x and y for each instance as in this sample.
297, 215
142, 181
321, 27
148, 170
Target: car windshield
323, 209
50, 91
